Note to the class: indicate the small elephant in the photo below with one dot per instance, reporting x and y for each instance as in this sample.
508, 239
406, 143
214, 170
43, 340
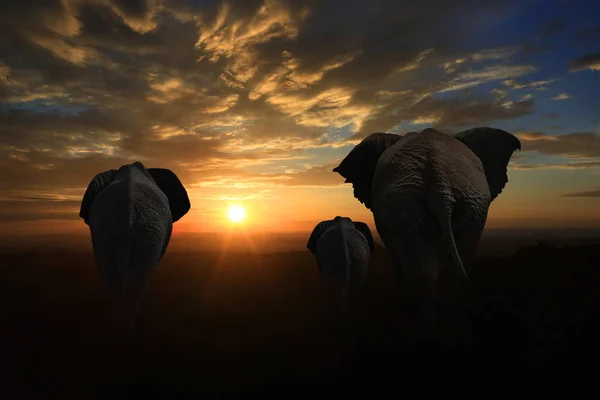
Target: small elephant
430, 193
342, 249
130, 213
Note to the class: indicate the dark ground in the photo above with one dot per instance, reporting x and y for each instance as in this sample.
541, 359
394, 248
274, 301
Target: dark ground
244, 324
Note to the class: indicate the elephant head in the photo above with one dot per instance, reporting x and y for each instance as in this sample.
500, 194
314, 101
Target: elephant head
130, 212
429, 193
342, 249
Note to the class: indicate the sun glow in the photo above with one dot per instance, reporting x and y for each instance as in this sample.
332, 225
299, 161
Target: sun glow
236, 214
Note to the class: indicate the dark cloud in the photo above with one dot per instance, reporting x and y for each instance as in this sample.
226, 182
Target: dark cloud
588, 61
447, 114
588, 193
22, 208
578, 144
566, 166
455, 113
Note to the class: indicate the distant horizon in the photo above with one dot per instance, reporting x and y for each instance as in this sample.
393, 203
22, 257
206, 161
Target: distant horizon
494, 242
78, 227
84, 231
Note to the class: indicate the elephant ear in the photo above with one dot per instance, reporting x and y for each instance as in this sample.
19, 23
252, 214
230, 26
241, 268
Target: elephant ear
494, 147
316, 234
364, 229
97, 184
169, 183
359, 165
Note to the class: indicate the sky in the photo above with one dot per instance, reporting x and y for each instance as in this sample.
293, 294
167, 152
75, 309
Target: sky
254, 102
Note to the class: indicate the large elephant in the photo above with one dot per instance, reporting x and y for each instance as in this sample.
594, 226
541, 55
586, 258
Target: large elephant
342, 249
130, 213
430, 193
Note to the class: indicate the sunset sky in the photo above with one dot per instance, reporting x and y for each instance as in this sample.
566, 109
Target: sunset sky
254, 102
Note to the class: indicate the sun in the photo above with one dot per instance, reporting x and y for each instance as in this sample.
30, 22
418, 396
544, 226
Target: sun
236, 214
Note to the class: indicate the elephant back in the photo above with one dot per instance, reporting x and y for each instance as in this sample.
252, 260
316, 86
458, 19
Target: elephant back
343, 253
131, 227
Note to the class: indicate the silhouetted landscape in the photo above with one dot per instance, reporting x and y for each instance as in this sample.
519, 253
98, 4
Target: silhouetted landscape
199, 143
241, 323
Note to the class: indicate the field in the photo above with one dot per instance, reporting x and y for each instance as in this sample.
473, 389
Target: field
236, 323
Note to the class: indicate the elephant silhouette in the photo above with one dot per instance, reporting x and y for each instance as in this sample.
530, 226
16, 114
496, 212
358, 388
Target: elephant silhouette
130, 212
342, 249
429, 194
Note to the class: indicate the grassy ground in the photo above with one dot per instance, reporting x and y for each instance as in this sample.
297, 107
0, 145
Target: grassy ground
214, 325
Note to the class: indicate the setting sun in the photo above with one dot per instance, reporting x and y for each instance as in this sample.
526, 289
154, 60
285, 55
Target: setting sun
236, 213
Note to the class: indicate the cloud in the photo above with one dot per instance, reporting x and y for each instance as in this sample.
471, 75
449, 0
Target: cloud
566, 166
588, 61
589, 193
562, 96
319, 176
26, 85
488, 74
455, 113
535, 85
212, 88
235, 38
446, 113
500, 53
578, 144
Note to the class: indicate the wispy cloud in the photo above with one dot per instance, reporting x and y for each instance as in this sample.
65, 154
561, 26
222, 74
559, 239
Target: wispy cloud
562, 96
535, 85
566, 166
488, 74
588, 193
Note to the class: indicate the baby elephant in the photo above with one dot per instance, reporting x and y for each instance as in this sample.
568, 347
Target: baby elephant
342, 249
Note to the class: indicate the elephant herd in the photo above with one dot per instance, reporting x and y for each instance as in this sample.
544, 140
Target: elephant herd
429, 193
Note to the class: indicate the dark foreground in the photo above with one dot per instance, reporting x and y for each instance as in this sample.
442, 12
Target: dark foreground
263, 325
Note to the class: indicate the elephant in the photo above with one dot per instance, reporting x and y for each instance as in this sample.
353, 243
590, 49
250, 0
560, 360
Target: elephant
342, 249
130, 212
429, 194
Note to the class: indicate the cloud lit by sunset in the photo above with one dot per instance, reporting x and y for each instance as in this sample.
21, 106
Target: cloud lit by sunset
254, 102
